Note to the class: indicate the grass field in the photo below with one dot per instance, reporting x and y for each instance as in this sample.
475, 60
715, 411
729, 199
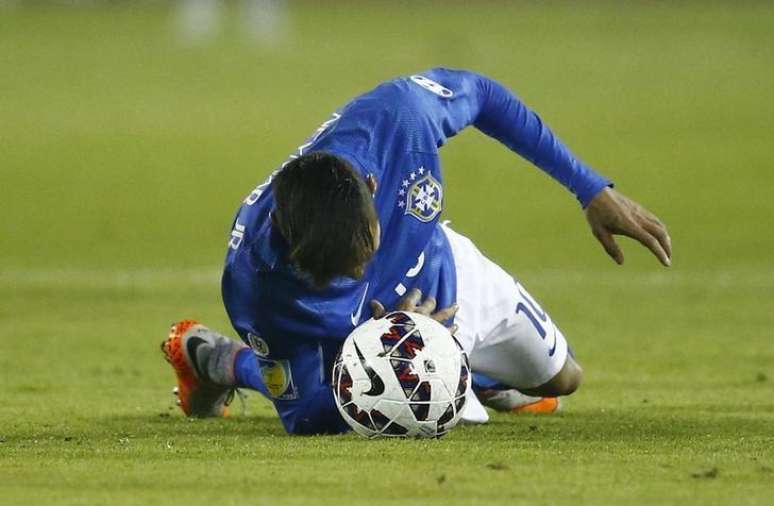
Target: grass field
125, 150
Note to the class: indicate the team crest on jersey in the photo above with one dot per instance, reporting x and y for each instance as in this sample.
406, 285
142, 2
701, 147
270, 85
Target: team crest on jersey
421, 195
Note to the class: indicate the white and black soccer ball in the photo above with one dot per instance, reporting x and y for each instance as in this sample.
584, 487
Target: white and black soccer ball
401, 375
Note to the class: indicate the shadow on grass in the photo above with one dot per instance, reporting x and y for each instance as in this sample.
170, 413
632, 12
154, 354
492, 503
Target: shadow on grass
665, 424
651, 425
145, 426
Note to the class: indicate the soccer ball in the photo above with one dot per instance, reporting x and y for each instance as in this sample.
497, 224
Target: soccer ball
401, 375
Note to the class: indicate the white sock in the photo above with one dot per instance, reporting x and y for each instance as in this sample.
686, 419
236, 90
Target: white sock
473, 412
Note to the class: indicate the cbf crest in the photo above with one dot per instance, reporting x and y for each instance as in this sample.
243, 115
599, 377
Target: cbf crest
421, 195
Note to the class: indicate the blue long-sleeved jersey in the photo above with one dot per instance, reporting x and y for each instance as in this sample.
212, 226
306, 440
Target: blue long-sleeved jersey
393, 132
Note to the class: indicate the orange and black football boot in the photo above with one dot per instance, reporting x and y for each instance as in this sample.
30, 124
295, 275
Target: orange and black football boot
203, 361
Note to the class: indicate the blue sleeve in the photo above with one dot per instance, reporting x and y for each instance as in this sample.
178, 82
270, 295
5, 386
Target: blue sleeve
299, 387
466, 98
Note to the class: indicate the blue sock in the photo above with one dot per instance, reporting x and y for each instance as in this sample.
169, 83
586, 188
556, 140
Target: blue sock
247, 372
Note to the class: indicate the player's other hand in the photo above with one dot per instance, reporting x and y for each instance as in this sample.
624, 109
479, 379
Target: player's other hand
413, 302
611, 213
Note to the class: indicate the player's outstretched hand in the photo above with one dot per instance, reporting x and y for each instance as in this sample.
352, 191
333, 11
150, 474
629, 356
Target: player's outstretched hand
612, 213
412, 301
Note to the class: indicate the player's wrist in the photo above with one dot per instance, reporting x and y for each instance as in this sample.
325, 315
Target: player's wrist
589, 191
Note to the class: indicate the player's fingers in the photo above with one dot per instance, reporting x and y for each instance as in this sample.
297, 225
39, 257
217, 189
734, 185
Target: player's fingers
410, 300
427, 307
446, 313
377, 309
651, 222
611, 247
453, 329
372, 184
650, 216
650, 242
659, 231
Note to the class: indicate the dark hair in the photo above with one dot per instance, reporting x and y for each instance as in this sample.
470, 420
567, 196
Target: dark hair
325, 212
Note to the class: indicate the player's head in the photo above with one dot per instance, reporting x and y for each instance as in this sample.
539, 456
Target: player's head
325, 211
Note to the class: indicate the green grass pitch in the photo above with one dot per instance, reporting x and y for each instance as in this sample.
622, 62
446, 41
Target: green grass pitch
124, 152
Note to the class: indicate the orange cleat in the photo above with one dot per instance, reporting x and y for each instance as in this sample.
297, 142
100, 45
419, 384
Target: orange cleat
544, 406
513, 401
203, 362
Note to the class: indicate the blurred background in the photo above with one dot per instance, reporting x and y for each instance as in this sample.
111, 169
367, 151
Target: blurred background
131, 131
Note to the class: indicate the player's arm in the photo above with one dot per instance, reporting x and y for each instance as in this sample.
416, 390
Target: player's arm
305, 400
608, 212
497, 112
299, 386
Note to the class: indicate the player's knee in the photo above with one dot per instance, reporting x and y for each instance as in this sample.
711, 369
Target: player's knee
309, 422
300, 425
565, 382
297, 427
569, 378
569, 383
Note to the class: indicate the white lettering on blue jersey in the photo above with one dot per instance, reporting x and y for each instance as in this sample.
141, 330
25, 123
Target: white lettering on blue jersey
237, 234
433, 86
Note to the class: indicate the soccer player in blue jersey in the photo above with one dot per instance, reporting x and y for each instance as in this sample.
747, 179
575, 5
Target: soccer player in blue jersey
353, 216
